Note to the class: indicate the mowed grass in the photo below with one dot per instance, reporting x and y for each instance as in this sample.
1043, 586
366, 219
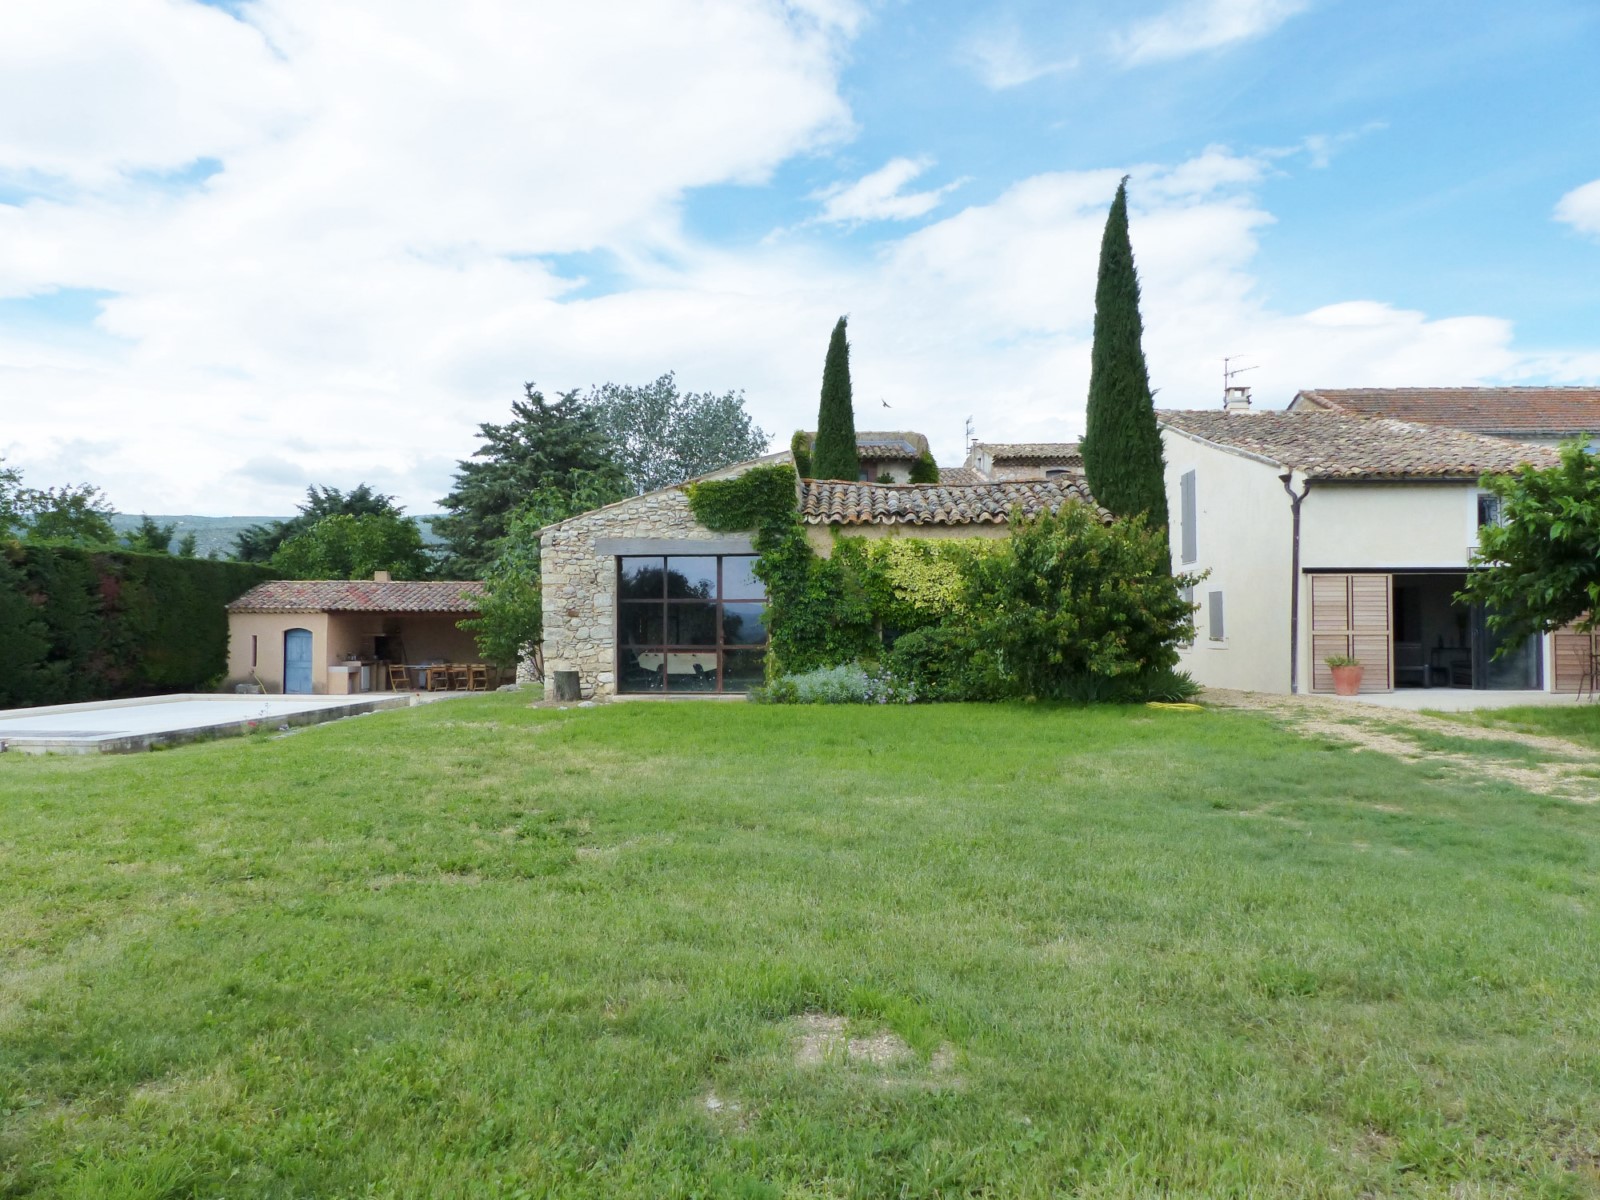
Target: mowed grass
477, 949
1578, 723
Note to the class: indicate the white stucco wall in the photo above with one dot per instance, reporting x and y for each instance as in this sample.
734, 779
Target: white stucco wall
1243, 538
1354, 525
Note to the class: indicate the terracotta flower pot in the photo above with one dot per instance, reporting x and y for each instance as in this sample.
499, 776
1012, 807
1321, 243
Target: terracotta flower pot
1346, 680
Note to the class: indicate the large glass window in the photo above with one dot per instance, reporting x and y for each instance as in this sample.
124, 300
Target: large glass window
690, 623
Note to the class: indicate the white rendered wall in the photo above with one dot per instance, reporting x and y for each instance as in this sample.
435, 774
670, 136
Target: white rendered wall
1356, 525
1243, 538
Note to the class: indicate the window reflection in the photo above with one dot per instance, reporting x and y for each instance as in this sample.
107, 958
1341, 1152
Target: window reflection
690, 623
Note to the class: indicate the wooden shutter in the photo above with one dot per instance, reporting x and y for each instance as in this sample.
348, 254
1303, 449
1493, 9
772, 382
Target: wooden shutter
1353, 615
1572, 653
1216, 628
1186, 519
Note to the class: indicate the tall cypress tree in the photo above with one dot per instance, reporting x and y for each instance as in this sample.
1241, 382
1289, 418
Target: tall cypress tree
1121, 445
834, 455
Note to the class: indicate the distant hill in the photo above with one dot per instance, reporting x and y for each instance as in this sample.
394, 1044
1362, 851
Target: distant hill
221, 533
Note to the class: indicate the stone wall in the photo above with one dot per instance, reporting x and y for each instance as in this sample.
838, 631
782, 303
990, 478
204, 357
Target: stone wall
578, 566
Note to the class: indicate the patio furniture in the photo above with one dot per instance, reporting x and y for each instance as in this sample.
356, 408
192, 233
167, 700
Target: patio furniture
1453, 664
1410, 664
477, 677
436, 677
399, 677
460, 677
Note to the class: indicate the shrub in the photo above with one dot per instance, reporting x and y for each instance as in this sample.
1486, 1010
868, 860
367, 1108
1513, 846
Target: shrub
1074, 605
800, 448
924, 470
105, 624
939, 663
850, 683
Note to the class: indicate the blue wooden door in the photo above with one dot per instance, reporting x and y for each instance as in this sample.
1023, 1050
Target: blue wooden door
297, 661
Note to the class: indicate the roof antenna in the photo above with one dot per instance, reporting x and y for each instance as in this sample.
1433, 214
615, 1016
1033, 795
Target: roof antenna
970, 436
1235, 397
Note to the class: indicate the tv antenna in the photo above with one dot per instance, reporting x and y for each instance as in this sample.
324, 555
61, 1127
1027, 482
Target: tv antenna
1229, 371
970, 435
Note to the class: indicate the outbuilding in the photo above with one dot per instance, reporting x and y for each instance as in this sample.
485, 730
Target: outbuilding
334, 637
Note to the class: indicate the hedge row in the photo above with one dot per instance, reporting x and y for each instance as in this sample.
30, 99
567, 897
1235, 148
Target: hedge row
102, 624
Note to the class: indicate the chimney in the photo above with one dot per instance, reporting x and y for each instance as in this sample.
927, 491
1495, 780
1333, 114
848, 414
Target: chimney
383, 576
1236, 400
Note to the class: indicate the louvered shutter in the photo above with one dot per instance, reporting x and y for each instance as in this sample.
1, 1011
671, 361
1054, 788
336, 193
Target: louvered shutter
1353, 615
1186, 521
1573, 655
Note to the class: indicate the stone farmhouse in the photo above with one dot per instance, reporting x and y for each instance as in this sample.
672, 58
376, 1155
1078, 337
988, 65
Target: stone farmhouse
639, 598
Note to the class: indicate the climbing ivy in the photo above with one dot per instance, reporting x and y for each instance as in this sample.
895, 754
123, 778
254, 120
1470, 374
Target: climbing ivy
745, 502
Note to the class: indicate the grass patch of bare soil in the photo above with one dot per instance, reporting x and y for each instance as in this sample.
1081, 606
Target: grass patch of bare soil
1533, 762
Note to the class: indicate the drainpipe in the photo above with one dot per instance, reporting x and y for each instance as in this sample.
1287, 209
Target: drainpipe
1295, 500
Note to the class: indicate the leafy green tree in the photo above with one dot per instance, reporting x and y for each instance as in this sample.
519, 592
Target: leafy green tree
348, 547
924, 470
1074, 609
661, 436
1122, 444
510, 624
833, 456
12, 496
258, 543
151, 537
70, 515
548, 444
187, 546
1540, 568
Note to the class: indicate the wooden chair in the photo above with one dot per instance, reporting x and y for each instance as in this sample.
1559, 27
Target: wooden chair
460, 677
399, 678
477, 677
437, 677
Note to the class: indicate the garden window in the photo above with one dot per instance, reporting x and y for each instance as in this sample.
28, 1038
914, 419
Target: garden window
690, 623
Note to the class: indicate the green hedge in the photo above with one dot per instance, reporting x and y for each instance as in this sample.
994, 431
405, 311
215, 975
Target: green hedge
102, 624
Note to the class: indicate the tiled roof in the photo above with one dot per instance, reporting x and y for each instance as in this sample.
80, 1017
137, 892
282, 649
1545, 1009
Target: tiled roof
362, 595
1329, 445
959, 475
1550, 411
881, 445
1064, 452
825, 502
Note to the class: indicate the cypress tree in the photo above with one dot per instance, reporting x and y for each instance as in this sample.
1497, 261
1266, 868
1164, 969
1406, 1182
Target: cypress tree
834, 455
1121, 444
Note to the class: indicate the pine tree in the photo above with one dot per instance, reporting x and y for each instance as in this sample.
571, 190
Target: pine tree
834, 455
1121, 445
549, 444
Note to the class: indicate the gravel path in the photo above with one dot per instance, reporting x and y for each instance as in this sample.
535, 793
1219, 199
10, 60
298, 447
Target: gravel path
1556, 767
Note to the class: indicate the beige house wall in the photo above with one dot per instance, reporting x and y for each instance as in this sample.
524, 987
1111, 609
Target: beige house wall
1243, 534
1356, 525
258, 638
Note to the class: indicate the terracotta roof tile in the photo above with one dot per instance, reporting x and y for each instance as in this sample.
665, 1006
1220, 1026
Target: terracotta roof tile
825, 502
1547, 411
362, 595
1329, 445
960, 475
1066, 452
884, 445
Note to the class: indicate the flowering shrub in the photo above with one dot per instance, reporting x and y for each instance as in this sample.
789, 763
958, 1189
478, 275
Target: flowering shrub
850, 683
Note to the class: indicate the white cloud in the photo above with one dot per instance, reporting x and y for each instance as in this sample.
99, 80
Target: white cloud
367, 277
1003, 59
1192, 26
877, 197
1580, 208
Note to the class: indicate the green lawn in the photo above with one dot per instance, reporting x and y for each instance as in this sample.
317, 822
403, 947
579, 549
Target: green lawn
478, 949
1577, 723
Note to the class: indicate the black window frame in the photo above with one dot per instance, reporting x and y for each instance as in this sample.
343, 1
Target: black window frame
719, 646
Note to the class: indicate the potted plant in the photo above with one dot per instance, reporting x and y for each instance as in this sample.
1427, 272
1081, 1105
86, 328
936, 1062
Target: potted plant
1346, 674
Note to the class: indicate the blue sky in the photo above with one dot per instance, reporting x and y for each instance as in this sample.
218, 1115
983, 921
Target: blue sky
283, 242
